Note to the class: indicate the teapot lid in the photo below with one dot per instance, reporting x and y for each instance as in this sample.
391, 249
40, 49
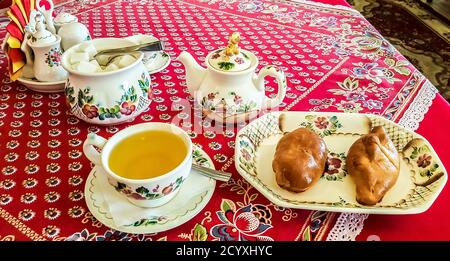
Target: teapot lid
64, 18
231, 58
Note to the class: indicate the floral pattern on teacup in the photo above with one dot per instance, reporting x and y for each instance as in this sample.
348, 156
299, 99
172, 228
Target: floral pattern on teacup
144, 193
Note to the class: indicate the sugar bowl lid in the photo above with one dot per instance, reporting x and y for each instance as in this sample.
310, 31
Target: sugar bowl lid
231, 58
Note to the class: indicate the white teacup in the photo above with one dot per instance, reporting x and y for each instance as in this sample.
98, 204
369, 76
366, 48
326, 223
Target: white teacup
163, 188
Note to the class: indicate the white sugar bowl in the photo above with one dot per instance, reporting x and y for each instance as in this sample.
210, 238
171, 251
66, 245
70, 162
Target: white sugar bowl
107, 97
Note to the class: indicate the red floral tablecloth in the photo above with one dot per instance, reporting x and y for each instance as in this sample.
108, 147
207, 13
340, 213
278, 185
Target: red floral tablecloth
334, 61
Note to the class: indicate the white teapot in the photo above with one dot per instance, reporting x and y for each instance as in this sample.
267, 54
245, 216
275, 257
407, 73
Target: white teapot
228, 90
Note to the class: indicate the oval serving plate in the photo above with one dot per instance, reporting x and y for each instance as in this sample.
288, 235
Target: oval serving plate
421, 179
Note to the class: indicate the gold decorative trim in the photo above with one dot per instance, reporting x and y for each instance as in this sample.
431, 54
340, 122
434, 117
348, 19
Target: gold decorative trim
326, 224
24, 229
8, 238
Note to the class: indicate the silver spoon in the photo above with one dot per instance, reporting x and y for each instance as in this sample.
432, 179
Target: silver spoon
145, 47
212, 173
117, 52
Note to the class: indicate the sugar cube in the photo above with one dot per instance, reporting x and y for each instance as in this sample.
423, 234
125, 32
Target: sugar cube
95, 63
78, 57
126, 60
102, 59
88, 48
111, 67
86, 67
83, 46
91, 51
74, 66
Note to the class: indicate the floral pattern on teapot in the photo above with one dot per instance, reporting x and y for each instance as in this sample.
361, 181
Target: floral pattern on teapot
233, 62
234, 104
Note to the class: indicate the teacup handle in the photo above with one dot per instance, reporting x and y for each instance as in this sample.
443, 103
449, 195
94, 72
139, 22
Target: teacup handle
274, 71
88, 148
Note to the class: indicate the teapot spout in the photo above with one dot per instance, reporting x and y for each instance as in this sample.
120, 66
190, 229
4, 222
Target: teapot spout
194, 72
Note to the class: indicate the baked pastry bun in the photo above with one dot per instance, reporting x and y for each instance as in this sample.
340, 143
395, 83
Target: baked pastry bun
299, 160
374, 164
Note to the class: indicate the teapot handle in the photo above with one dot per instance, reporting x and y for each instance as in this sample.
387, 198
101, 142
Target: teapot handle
88, 148
271, 70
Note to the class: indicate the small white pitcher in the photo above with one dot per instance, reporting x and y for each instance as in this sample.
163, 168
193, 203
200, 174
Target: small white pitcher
47, 61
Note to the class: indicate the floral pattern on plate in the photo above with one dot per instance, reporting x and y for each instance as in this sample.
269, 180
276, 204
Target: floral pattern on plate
420, 155
335, 169
324, 126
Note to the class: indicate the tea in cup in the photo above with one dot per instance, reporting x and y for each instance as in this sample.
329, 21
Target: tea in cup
147, 162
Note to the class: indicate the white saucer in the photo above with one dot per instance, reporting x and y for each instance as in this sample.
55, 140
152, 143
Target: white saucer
154, 61
158, 63
46, 87
97, 206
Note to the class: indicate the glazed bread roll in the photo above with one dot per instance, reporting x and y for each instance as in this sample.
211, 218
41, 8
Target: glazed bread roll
374, 165
300, 159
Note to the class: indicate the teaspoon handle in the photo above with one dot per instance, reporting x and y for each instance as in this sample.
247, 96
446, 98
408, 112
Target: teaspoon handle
212, 173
